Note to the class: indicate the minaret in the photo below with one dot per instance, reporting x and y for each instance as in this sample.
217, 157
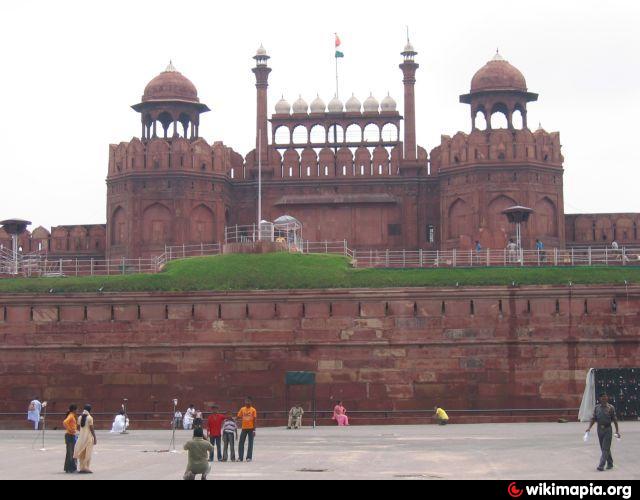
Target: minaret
262, 83
409, 67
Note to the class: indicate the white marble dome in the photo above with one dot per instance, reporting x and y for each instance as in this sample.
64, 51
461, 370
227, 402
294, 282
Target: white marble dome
336, 105
388, 104
353, 105
318, 105
371, 104
283, 107
300, 106
261, 52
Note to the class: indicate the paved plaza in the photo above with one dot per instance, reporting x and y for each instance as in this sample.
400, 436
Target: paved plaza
481, 451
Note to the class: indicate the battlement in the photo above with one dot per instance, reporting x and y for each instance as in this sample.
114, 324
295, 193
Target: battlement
495, 146
175, 154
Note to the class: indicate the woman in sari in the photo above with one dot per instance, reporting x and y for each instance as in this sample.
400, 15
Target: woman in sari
86, 441
340, 414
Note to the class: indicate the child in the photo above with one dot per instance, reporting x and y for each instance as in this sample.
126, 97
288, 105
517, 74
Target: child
229, 435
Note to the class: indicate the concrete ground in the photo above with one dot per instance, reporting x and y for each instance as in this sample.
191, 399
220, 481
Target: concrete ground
481, 451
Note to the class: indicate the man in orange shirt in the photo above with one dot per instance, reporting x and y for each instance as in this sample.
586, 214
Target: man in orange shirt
248, 415
71, 427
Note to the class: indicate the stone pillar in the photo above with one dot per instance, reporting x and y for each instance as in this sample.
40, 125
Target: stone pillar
409, 68
262, 83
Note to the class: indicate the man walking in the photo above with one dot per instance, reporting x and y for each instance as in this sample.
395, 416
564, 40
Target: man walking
248, 416
604, 414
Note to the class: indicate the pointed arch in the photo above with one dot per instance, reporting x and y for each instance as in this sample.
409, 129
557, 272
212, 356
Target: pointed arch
545, 218
156, 224
202, 221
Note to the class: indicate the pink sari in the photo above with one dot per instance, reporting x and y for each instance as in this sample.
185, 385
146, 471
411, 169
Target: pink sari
339, 415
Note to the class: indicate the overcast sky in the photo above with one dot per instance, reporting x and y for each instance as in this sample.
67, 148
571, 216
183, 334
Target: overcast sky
71, 70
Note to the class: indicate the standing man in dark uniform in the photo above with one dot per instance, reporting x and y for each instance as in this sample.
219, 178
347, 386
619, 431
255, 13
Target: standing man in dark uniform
604, 414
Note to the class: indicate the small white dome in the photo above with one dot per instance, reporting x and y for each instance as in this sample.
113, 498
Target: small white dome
371, 104
261, 51
388, 104
335, 105
300, 106
409, 47
353, 105
283, 107
318, 105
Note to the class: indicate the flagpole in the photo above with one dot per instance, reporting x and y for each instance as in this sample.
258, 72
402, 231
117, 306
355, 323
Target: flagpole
259, 184
337, 93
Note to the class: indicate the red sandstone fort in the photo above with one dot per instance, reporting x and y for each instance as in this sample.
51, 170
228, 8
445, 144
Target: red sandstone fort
347, 172
351, 163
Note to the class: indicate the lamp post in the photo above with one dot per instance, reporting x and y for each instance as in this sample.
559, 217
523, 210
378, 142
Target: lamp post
517, 215
15, 227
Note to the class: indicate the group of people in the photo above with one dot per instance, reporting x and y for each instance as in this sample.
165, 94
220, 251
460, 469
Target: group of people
80, 438
220, 430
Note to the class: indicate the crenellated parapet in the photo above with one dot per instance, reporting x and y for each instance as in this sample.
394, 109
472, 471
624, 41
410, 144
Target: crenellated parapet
173, 155
496, 147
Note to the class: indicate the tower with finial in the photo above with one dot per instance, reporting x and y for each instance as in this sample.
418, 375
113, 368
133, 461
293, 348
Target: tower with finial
409, 67
262, 71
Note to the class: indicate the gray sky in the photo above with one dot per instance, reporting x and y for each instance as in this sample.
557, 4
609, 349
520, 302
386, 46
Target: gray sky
71, 70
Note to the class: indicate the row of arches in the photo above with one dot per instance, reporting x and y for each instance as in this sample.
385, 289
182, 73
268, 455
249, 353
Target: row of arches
491, 226
336, 134
158, 225
168, 124
499, 116
345, 162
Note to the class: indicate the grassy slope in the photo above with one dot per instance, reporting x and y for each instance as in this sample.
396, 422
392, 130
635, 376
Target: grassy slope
288, 271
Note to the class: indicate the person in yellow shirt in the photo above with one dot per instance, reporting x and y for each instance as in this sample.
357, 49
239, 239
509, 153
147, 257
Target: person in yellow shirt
248, 416
441, 416
70, 424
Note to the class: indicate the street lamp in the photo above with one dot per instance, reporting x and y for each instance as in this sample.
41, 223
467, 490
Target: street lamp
15, 227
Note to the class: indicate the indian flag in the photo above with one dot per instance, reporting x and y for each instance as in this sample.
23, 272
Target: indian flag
338, 43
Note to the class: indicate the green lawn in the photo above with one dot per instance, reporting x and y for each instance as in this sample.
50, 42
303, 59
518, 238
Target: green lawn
289, 271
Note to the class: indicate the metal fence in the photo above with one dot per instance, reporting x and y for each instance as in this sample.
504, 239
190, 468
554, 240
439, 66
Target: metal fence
41, 265
486, 258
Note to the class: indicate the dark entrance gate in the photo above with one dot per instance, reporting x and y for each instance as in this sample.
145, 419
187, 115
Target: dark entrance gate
622, 385
301, 379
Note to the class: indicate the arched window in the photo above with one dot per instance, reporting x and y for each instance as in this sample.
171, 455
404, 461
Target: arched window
283, 136
517, 120
336, 134
318, 135
354, 133
389, 133
498, 120
371, 133
300, 135
481, 121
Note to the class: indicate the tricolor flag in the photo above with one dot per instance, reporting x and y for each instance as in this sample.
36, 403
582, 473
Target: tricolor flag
338, 43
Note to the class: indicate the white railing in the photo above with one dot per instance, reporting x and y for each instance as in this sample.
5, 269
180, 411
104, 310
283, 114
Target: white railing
37, 265
486, 258
41, 265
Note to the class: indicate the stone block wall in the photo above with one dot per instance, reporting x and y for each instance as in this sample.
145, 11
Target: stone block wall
400, 349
